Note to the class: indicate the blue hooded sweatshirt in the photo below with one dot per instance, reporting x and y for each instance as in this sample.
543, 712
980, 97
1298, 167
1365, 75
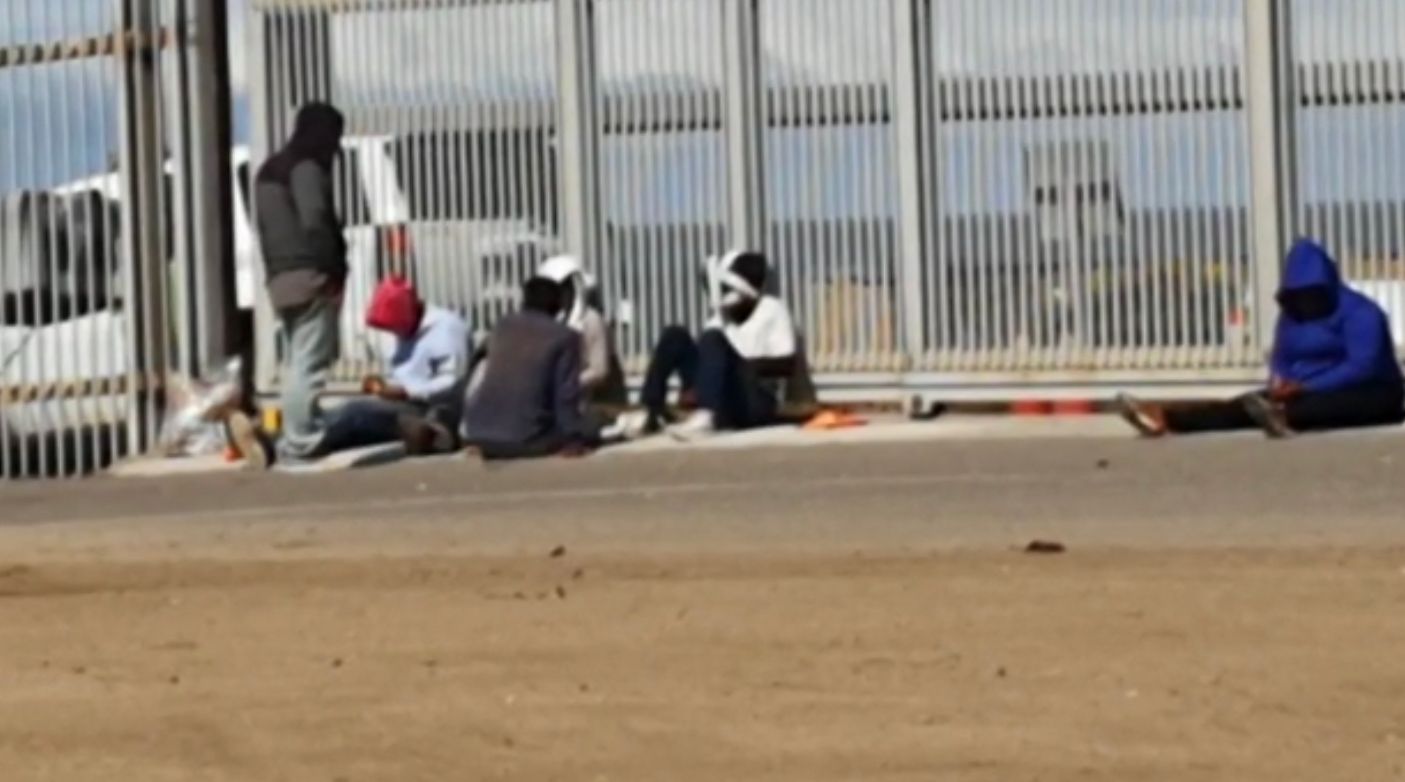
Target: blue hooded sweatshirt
1350, 347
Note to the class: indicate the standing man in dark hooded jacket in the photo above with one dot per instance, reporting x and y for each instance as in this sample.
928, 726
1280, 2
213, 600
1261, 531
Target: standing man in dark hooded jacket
304, 254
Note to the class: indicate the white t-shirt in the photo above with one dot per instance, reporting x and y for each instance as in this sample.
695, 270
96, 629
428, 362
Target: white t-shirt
768, 333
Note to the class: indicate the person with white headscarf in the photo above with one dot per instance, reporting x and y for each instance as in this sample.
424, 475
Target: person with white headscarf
749, 340
587, 320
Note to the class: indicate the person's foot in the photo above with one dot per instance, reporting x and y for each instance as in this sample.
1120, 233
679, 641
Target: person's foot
700, 425
633, 425
246, 438
1269, 416
1149, 420
424, 437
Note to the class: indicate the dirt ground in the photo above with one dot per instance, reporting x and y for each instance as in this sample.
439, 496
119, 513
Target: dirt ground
261, 648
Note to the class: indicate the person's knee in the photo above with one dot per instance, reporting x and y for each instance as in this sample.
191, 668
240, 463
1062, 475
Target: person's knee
714, 343
671, 338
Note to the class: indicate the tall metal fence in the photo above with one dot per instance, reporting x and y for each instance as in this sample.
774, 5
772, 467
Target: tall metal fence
960, 198
103, 284
967, 197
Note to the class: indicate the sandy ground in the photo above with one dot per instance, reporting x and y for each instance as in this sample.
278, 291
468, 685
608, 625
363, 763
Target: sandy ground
1225, 611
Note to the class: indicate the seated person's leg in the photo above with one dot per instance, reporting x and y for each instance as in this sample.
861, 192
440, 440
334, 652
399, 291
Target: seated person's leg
364, 422
728, 389
429, 432
1225, 416
1154, 420
1349, 408
675, 352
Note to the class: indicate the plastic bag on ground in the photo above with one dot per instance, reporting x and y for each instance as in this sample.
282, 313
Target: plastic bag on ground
195, 424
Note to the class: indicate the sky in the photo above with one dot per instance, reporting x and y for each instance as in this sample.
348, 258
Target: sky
58, 122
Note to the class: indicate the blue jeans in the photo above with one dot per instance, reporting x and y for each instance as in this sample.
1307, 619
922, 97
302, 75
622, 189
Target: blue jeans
364, 422
724, 383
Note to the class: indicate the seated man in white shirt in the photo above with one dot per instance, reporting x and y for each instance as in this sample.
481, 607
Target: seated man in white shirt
749, 341
419, 400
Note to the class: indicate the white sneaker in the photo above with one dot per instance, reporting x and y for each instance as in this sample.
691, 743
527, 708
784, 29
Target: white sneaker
629, 426
700, 425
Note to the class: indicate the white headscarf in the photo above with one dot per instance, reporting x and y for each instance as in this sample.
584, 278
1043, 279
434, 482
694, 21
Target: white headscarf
726, 288
562, 269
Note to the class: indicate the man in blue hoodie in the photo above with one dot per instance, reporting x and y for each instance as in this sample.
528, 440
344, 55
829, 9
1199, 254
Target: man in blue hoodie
1333, 364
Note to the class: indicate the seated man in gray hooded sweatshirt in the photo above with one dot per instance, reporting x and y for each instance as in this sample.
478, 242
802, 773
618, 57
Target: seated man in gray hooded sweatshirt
528, 401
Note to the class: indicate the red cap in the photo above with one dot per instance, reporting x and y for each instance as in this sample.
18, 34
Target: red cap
395, 307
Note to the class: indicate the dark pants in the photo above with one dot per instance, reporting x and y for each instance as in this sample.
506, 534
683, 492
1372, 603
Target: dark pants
1345, 409
537, 448
369, 421
361, 423
713, 370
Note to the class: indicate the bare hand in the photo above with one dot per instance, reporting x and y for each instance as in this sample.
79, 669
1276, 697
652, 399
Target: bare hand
1283, 390
392, 393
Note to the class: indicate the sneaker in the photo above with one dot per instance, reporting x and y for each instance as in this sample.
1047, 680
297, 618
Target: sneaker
246, 438
698, 426
1147, 419
1268, 416
424, 437
631, 426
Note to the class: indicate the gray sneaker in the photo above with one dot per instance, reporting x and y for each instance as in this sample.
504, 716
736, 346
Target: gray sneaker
1268, 415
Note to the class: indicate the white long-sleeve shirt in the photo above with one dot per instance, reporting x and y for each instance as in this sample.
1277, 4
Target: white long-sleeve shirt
434, 360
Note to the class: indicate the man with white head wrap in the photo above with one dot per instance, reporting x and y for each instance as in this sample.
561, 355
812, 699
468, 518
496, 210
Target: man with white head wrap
749, 339
578, 313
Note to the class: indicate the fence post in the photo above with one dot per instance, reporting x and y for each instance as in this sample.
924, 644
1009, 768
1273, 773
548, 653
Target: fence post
144, 273
912, 40
577, 128
1271, 97
209, 139
745, 120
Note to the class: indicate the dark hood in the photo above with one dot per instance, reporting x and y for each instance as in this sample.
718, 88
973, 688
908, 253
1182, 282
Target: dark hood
317, 134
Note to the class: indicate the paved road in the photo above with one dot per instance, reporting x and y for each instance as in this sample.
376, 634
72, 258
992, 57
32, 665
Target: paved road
1218, 492
1210, 492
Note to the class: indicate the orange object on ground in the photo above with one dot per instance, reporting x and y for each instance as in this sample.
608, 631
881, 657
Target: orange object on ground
828, 420
231, 454
1031, 407
1074, 407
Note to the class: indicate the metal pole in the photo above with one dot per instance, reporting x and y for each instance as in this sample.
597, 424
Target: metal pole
1271, 98
745, 122
211, 182
912, 37
142, 201
579, 131
265, 65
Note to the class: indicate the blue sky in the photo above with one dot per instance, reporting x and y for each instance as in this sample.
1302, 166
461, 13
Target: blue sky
58, 122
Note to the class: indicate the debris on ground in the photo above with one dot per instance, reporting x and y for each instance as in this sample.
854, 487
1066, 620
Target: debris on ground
1045, 547
558, 552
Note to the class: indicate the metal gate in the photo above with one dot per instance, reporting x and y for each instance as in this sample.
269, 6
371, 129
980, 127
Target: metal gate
968, 197
100, 187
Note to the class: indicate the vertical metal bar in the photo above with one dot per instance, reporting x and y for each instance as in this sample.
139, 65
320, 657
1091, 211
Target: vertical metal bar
1271, 103
141, 186
912, 42
577, 127
211, 177
745, 120
264, 66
